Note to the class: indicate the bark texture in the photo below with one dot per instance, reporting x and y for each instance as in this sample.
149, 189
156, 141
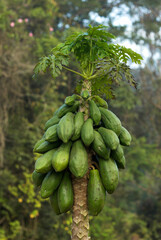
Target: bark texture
80, 225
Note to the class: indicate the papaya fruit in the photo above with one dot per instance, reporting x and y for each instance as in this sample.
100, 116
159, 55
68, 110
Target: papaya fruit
38, 143
78, 163
85, 94
65, 193
60, 158
95, 113
50, 183
43, 163
52, 121
37, 178
121, 163
51, 134
77, 97
65, 109
110, 120
65, 128
109, 174
54, 202
125, 137
110, 138
46, 146
100, 102
118, 153
78, 123
87, 132
99, 146
96, 193
69, 101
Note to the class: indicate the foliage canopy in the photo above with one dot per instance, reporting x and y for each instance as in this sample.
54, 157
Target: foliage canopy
101, 62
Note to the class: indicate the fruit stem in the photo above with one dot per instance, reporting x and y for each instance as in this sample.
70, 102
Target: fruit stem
94, 165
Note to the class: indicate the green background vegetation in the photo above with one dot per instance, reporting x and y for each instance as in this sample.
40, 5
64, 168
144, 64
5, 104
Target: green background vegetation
133, 211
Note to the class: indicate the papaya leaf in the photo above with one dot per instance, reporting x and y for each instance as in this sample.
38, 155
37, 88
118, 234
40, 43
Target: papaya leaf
41, 66
103, 86
100, 32
101, 61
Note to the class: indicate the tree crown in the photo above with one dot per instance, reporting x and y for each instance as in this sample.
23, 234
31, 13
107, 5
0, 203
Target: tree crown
101, 62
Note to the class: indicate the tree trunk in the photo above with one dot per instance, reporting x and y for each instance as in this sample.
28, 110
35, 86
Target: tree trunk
80, 224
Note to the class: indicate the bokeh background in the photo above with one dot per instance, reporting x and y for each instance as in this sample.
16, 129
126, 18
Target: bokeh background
29, 29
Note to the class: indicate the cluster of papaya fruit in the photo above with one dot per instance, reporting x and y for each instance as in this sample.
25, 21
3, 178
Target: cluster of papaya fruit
83, 123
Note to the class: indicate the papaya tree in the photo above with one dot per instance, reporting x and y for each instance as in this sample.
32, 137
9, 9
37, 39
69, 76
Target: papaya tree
82, 146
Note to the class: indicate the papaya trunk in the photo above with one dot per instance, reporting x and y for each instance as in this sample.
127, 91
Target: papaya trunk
80, 223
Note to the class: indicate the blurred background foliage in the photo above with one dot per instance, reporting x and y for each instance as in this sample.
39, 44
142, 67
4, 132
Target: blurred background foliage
29, 30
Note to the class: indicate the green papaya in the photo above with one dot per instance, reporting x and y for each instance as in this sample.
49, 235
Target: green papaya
110, 138
109, 174
60, 159
65, 127
110, 120
95, 113
65, 109
125, 137
78, 123
87, 132
51, 134
52, 121
78, 163
77, 97
37, 178
54, 202
38, 143
50, 183
43, 163
121, 163
100, 101
96, 193
69, 101
118, 153
99, 146
85, 94
46, 146
65, 193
